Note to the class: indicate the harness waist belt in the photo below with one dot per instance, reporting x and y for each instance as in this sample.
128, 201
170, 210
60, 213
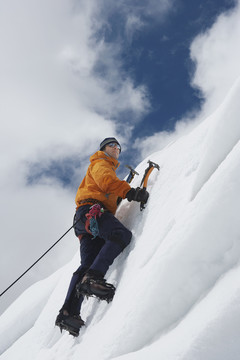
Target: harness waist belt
90, 201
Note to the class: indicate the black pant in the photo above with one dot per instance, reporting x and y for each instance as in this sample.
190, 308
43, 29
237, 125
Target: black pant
96, 254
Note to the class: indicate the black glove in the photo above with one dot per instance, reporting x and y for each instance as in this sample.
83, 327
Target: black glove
138, 194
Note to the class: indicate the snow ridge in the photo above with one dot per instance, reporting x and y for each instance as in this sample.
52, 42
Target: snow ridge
177, 283
223, 135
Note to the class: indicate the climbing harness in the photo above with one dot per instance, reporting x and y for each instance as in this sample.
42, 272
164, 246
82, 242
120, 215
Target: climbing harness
91, 224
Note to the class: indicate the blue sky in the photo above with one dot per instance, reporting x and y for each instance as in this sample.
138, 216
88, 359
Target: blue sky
157, 55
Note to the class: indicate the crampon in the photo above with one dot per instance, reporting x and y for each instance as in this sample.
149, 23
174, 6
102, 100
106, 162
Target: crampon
72, 331
72, 324
98, 288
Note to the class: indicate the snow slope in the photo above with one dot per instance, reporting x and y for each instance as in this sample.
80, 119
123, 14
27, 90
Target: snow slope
178, 287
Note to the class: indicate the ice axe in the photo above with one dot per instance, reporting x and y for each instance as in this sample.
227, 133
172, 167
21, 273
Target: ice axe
129, 179
144, 181
131, 174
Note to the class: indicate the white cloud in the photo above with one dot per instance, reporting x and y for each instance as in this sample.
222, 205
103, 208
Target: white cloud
138, 14
49, 86
158, 141
55, 106
133, 24
62, 90
154, 9
216, 54
153, 143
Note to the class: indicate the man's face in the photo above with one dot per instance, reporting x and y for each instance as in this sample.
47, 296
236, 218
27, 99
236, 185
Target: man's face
113, 150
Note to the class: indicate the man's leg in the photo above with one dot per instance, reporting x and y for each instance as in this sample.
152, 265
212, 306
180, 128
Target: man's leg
69, 313
72, 304
89, 249
116, 237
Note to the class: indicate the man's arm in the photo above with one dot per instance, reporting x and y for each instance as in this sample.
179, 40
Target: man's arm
107, 180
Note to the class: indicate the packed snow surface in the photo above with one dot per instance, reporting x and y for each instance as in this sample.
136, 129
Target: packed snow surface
178, 283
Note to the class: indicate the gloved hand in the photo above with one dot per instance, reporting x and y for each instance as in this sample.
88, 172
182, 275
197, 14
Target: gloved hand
138, 194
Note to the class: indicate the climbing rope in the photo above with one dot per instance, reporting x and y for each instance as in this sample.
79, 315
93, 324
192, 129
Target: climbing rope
38, 260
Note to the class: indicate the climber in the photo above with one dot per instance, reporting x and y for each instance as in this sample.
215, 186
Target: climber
102, 236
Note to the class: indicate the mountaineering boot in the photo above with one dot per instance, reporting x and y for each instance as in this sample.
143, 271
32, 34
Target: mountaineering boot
93, 284
71, 323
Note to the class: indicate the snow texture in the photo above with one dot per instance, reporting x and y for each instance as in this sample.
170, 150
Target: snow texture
178, 288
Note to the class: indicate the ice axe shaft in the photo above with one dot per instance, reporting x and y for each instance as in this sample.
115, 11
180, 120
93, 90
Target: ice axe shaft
146, 175
148, 171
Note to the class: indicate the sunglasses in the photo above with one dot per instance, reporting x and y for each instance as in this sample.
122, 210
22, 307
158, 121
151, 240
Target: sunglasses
113, 144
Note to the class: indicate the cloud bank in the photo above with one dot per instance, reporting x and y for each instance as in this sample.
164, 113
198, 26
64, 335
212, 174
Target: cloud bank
62, 90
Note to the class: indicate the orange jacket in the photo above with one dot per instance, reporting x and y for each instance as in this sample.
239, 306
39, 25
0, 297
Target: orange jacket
101, 182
